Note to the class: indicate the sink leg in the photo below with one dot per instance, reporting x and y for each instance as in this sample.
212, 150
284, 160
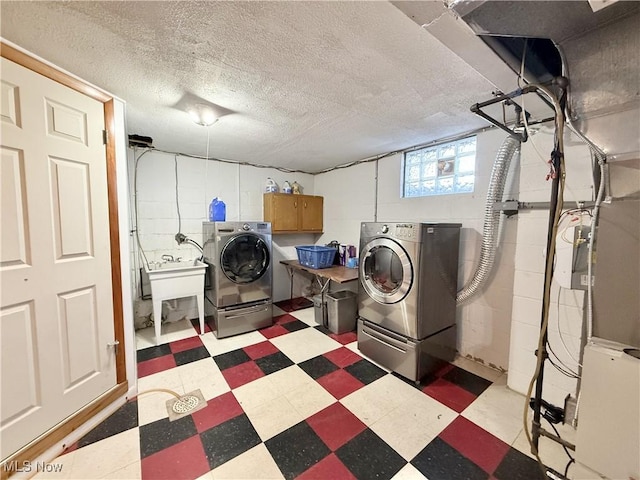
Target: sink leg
157, 318
200, 299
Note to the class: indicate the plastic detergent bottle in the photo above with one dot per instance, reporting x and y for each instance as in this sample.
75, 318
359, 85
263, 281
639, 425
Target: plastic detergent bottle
270, 186
217, 210
286, 187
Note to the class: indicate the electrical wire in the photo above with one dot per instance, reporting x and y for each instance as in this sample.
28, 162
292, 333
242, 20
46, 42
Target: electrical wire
557, 207
570, 113
175, 164
596, 152
540, 155
181, 238
525, 119
232, 162
566, 349
374, 158
566, 469
566, 450
571, 459
135, 202
562, 369
581, 226
594, 223
603, 192
575, 211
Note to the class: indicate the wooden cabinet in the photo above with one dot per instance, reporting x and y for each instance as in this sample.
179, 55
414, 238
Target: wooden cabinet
289, 213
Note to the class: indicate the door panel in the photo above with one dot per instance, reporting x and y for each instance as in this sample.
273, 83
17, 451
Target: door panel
285, 212
311, 213
56, 316
78, 328
9, 104
18, 323
13, 242
66, 122
71, 208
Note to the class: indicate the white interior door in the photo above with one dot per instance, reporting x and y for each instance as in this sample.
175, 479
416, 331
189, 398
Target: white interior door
56, 319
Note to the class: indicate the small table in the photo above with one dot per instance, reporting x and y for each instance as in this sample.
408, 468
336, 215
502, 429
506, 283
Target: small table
323, 276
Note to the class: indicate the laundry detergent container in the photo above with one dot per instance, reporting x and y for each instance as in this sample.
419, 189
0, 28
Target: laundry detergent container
342, 311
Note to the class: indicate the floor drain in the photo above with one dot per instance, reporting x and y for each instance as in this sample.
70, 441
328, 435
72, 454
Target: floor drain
185, 405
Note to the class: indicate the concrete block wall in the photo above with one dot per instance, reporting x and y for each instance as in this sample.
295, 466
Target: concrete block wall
241, 188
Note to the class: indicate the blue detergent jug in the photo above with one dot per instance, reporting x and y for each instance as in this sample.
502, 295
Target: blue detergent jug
217, 210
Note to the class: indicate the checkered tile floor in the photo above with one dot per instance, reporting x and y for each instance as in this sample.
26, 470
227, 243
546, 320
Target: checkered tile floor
296, 401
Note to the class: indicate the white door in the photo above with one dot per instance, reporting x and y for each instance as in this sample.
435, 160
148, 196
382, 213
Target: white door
56, 319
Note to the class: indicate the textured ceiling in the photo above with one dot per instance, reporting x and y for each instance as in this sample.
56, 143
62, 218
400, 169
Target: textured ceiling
302, 85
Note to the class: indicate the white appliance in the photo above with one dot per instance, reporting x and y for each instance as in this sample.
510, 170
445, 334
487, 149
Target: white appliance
407, 295
608, 437
238, 256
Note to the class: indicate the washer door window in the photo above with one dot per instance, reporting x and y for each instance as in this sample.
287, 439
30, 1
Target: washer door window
245, 258
386, 271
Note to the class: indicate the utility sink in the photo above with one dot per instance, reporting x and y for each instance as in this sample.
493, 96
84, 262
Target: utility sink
178, 265
171, 280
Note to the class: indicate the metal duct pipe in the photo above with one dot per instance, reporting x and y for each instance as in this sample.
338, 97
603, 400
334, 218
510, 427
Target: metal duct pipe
499, 172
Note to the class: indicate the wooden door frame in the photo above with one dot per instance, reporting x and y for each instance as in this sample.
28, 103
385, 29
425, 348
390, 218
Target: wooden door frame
57, 433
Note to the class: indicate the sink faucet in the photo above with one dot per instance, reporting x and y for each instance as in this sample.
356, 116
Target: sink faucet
167, 258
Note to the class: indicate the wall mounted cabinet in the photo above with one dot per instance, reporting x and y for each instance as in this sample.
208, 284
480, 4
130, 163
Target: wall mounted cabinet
290, 213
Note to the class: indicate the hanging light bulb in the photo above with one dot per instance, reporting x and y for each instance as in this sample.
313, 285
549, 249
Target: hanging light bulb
203, 114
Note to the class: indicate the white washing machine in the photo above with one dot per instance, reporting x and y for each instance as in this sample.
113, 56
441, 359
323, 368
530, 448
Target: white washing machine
238, 257
407, 295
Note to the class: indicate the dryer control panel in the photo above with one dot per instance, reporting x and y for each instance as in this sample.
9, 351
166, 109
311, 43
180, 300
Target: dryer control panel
400, 231
405, 230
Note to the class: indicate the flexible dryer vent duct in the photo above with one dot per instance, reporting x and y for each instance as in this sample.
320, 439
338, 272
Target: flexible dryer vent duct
509, 148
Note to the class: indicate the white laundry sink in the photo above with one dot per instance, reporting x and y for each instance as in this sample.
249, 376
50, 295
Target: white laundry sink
178, 265
171, 280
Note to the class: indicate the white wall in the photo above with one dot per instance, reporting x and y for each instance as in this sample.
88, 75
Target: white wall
566, 307
241, 188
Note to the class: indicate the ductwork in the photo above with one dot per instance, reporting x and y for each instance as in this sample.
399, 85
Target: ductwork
509, 149
598, 40
600, 49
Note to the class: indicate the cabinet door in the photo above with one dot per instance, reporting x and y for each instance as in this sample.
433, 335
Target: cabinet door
284, 213
311, 213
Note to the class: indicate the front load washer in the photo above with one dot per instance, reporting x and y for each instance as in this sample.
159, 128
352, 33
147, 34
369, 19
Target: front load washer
407, 295
238, 257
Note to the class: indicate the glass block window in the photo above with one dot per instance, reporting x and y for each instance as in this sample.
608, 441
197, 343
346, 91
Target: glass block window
441, 169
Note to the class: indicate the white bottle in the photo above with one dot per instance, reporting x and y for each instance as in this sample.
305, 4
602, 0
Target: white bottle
286, 187
270, 186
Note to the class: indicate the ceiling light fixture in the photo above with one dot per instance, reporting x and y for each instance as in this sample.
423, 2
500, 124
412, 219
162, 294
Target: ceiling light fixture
203, 114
